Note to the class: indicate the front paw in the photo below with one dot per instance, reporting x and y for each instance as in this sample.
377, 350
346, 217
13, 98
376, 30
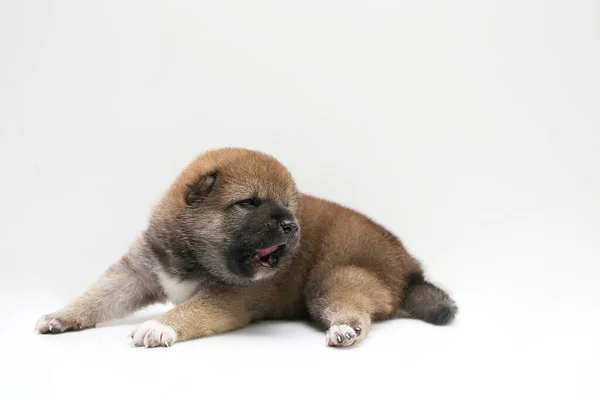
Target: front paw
342, 335
56, 323
153, 333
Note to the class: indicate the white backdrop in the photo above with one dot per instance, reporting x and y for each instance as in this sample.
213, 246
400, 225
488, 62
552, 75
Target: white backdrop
469, 128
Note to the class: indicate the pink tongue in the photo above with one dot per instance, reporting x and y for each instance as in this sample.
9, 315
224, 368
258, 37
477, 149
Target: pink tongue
267, 251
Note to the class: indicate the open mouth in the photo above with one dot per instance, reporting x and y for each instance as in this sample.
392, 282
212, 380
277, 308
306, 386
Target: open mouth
269, 256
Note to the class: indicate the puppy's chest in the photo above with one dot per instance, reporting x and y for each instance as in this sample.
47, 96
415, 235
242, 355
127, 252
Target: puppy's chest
176, 290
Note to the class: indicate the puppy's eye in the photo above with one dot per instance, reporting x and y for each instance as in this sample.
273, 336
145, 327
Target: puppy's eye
249, 202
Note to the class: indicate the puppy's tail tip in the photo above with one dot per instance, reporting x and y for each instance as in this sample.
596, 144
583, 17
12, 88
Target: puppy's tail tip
427, 302
443, 315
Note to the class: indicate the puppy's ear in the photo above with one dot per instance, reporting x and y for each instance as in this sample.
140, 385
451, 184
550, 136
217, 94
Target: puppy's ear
201, 188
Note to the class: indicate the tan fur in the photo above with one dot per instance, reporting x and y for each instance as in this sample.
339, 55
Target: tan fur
346, 270
273, 180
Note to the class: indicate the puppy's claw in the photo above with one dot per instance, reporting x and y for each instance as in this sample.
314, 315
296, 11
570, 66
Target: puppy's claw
153, 333
57, 323
340, 336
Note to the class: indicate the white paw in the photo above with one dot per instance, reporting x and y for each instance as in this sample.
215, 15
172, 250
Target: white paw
52, 323
340, 336
153, 334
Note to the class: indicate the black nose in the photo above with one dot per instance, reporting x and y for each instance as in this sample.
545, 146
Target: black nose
288, 226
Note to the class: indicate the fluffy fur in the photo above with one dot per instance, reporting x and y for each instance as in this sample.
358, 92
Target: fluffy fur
233, 241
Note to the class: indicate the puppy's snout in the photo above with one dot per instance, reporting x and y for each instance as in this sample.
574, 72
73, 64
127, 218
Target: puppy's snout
288, 226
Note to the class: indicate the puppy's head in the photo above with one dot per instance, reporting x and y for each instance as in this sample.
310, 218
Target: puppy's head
235, 210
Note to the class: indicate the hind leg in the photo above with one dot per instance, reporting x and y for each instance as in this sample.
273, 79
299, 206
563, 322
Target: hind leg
345, 299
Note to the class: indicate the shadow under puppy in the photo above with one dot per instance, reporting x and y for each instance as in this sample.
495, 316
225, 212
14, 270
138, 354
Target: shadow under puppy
233, 241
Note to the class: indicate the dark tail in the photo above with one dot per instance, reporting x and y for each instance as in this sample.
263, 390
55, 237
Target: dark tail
427, 302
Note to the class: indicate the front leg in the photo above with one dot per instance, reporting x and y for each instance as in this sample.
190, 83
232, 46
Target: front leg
124, 288
206, 314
